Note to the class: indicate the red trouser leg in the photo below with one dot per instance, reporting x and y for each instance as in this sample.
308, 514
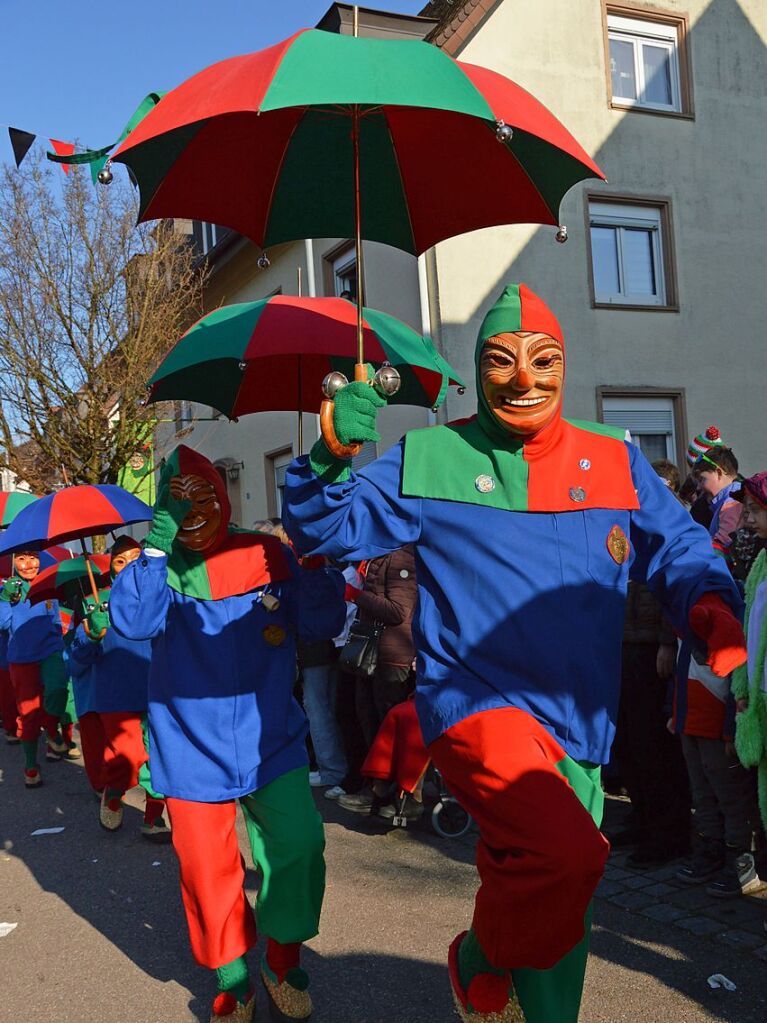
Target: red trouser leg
219, 917
28, 688
93, 743
540, 856
8, 709
124, 751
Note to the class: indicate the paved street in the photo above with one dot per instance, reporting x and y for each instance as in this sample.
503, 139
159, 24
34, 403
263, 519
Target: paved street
101, 937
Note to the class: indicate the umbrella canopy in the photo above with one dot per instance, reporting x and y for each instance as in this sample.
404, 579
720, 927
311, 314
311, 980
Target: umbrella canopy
50, 556
11, 503
56, 582
262, 143
273, 355
72, 514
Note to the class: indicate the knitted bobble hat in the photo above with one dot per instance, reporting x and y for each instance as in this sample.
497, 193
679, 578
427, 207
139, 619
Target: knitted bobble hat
703, 443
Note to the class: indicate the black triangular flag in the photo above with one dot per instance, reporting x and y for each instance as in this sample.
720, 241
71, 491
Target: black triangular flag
21, 142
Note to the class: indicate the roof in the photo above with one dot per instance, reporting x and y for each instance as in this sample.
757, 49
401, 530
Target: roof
456, 21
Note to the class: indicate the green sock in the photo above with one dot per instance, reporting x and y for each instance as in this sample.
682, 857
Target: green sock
472, 960
234, 978
30, 754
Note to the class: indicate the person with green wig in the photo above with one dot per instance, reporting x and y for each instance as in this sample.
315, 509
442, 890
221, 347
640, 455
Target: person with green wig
526, 528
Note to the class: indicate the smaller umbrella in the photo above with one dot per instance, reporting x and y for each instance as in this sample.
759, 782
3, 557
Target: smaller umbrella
11, 503
272, 356
55, 582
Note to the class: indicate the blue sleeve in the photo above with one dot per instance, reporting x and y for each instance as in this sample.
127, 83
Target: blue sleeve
5, 615
672, 553
140, 598
82, 653
315, 601
361, 518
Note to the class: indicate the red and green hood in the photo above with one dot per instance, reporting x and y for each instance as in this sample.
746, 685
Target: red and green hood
566, 466
238, 561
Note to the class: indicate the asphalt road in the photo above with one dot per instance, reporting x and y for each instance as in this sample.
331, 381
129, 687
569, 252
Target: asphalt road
101, 937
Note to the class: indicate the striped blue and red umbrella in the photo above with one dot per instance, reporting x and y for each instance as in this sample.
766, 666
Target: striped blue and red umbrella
48, 558
73, 514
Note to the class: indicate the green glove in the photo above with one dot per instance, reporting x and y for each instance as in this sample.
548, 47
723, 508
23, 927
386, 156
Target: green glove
169, 513
355, 407
97, 619
10, 591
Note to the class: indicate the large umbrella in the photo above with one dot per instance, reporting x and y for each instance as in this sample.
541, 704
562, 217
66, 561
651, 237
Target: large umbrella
272, 356
74, 513
55, 582
11, 503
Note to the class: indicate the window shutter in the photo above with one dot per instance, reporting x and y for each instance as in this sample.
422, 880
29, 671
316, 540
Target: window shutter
638, 421
367, 455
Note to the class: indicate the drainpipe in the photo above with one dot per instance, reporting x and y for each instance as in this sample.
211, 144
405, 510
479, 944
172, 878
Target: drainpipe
311, 290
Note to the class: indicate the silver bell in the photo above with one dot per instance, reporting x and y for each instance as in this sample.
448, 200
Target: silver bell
242, 365
503, 132
105, 175
561, 234
264, 262
387, 381
333, 383
462, 390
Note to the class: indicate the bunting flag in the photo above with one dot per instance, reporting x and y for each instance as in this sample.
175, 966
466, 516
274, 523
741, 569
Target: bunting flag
63, 149
21, 142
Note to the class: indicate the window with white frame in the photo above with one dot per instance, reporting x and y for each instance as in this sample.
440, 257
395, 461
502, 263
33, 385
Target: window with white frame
206, 235
644, 63
627, 254
649, 420
280, 463
345, 276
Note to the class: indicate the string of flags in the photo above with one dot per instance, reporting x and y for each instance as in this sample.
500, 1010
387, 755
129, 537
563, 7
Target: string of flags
65, 154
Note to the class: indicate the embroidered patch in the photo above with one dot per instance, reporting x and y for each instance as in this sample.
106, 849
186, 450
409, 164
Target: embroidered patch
618, 545
584, 464
274, 635
484, 484
577, 494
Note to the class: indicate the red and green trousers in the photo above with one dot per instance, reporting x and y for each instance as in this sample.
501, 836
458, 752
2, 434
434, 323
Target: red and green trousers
540, 854
287, 843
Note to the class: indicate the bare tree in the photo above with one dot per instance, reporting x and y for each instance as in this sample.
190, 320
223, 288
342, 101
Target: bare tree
89, 304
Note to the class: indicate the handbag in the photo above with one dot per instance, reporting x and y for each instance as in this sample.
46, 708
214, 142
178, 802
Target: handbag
359, 655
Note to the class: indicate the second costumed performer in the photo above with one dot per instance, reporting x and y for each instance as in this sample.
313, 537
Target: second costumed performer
222, 608
525, 528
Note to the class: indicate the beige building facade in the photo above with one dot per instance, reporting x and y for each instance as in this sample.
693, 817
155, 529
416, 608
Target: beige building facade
661, 285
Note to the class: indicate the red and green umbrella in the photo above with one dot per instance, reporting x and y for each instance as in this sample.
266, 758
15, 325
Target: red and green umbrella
57, 581
11, 503
284, 143
272, 356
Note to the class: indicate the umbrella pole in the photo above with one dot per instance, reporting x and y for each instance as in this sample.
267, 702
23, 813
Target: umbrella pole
89, 569
300, 424
360, 369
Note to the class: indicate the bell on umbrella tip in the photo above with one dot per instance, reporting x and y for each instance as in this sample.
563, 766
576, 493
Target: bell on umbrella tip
503, 132
462, 390
333, 383
387, 380
561, 234
105, 175
264, 262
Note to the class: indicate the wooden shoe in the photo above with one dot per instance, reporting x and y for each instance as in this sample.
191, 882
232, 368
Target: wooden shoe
490, 998
110, 815
32, 777
288, 1000
73, 752
226, 1009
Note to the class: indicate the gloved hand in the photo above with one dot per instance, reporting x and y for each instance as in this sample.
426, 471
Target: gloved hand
10, 591
97, 622
355, 407
169, 513
713, 622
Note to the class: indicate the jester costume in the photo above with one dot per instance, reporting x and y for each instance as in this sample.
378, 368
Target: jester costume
110, 678
34, 651
524, 540
222, 609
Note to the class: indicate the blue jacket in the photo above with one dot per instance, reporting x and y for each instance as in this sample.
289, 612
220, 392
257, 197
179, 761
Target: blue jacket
521, 609
34, 630
222, 718
111, 675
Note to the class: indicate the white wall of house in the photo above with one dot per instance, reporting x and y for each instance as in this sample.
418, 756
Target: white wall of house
711, 168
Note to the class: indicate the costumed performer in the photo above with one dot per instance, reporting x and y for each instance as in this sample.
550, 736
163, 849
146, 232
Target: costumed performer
519, 634
222, 608
110, 678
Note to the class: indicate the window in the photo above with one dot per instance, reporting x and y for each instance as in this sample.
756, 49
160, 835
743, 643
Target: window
277, 466
345, 276
631, 254
647, 61
207, 236
655, 419
182, 415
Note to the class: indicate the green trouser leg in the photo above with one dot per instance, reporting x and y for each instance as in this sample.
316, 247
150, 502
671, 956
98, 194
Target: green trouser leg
287, 841
144, 772
554, 996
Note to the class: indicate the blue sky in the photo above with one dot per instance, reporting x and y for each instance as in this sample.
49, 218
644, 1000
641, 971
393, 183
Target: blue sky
78, 68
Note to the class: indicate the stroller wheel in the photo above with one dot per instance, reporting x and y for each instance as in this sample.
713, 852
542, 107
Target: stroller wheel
449, 819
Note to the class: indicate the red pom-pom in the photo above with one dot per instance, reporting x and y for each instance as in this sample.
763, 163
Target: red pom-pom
488, 992
224, 1004
712, 433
